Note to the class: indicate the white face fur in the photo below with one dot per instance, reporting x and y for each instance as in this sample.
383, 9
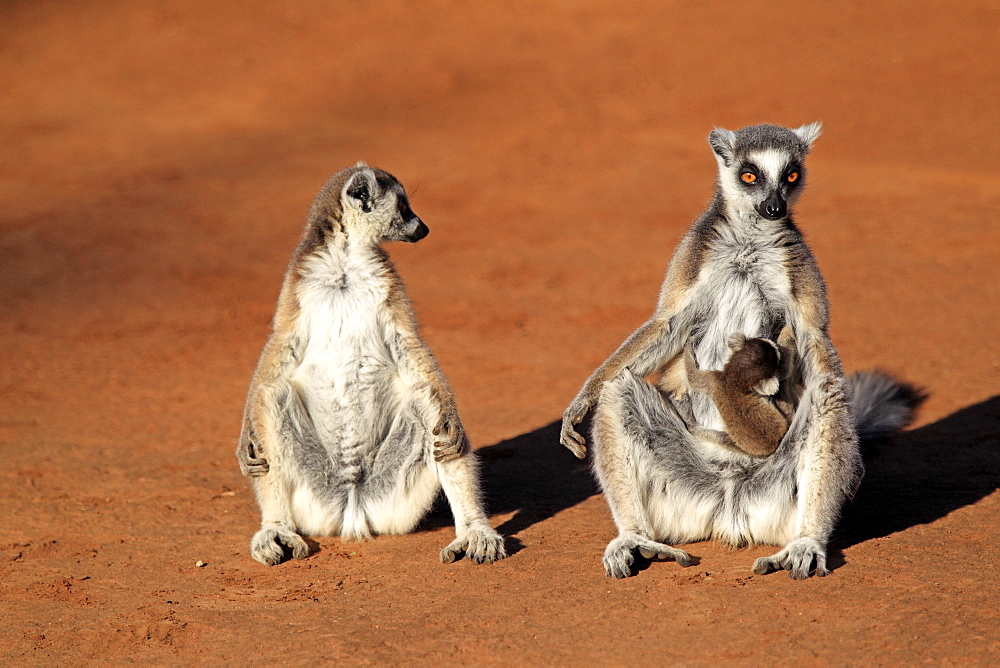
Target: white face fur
761, 168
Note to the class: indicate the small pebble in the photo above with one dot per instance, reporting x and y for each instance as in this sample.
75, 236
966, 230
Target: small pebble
201, 564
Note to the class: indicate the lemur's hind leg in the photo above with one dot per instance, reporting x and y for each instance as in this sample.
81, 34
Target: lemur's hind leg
474, 535
633, 430
401, 483
277, 417
406, 477
829, 469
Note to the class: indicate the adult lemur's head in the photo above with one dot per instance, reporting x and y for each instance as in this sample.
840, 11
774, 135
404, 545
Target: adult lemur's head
379, 199
367, 204
762, 167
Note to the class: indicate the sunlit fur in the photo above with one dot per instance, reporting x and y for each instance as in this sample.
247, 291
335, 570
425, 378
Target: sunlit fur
350, 428
736, 270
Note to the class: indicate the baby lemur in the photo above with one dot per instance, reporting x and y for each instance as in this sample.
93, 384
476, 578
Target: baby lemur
350, 427
743, 266
744, 393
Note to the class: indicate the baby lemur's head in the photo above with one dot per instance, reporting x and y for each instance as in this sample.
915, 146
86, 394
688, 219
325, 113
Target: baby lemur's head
370, 204
753, 365
762, 167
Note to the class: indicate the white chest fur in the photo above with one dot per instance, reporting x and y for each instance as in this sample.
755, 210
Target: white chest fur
344, 356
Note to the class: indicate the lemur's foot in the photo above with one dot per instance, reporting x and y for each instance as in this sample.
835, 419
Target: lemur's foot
482, 545
268, 546
620, 554
797, 558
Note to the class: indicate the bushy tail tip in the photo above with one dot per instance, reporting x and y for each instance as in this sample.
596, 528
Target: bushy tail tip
882, 405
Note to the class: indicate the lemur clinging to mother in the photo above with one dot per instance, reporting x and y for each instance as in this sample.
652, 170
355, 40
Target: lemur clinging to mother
744, 393
743, 266
350, 427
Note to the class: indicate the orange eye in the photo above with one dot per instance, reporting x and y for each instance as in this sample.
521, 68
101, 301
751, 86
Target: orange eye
792, 177
748, 177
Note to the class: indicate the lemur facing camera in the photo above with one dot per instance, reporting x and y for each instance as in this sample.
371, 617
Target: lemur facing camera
742, 267
744, 393
350, 427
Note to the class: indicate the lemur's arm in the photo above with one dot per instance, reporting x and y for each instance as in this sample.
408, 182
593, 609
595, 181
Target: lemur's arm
249, 449
642, 352
699, 380
789, 376
413, 357
789, 354
258, 437
648, 348
807, 331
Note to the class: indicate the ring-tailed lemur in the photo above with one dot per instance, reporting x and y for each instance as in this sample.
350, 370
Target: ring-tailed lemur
744, 393
341, 417
743, 266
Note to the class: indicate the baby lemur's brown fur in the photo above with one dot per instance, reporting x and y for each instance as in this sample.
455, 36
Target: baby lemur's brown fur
744, 392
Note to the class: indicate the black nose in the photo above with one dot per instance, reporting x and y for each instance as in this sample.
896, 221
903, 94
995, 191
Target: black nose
773, 208
419, 233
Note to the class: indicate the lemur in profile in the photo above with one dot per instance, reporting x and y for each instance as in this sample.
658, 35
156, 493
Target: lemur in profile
350, 427
744, 394
742, 267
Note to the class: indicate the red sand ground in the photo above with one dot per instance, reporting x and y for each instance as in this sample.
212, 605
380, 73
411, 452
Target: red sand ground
157, 163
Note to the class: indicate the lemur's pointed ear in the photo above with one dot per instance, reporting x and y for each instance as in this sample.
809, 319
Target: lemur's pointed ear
721, 142
362, 188
809, 133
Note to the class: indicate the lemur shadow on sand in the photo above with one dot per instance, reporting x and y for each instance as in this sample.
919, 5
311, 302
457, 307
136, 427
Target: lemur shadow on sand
914, 478
531, 475
922, 475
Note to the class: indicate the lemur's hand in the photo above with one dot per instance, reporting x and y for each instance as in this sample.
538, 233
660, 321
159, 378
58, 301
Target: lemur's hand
786, 338
789, 353
250, 464
573, 416
454, 444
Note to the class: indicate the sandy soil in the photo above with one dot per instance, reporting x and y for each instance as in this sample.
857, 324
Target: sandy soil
156, 164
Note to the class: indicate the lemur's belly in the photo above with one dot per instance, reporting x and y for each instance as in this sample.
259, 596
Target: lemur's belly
348, 379
348, 394
352, 392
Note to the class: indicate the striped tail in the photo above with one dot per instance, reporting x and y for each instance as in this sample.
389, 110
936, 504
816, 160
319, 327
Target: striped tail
882, 405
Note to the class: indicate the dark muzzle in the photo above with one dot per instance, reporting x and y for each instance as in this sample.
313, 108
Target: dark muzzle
418, 232
773, 208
